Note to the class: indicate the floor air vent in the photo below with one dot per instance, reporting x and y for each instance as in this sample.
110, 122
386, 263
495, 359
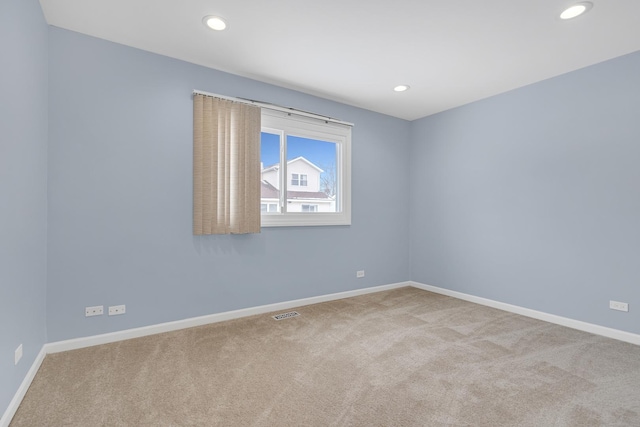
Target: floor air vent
286, 315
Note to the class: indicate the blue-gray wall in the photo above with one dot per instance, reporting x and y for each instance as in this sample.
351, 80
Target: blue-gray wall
23, 189
120, 198
529, 197
532, 197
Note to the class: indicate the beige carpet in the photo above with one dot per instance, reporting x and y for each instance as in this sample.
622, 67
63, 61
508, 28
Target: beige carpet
405, 357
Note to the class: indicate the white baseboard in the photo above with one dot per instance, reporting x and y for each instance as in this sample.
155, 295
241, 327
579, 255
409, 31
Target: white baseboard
540, 315
22, 390
56, 347
77, 343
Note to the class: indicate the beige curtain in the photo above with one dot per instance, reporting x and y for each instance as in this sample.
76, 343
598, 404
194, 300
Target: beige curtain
226, 166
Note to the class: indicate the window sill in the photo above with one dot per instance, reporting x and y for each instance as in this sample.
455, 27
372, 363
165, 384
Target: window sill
305, 219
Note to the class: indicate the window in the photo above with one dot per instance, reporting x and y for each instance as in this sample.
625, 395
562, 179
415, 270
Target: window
298, 180
306, 171
268, 207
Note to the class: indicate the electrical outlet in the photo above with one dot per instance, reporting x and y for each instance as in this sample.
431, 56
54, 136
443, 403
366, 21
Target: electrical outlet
18, 354
96, 310
360, 274
117, 309
617, 305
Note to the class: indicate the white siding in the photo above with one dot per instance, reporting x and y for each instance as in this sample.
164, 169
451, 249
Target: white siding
272, 177
301, 167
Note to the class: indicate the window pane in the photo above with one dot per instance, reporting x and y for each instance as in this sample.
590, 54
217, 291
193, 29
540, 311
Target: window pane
270, 164
319, 154
312, 164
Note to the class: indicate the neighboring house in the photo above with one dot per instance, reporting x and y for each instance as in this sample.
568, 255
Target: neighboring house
303, 188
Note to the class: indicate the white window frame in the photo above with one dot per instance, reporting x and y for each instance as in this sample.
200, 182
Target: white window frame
285, 124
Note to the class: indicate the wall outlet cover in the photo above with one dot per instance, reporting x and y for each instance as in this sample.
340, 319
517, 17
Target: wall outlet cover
96, 310
114, 310
617, 305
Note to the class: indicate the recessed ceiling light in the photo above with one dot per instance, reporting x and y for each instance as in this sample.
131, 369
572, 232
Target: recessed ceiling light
401, 88
576, 10
214, 22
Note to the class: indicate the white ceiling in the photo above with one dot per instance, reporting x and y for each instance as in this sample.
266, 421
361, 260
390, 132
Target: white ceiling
451, 52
